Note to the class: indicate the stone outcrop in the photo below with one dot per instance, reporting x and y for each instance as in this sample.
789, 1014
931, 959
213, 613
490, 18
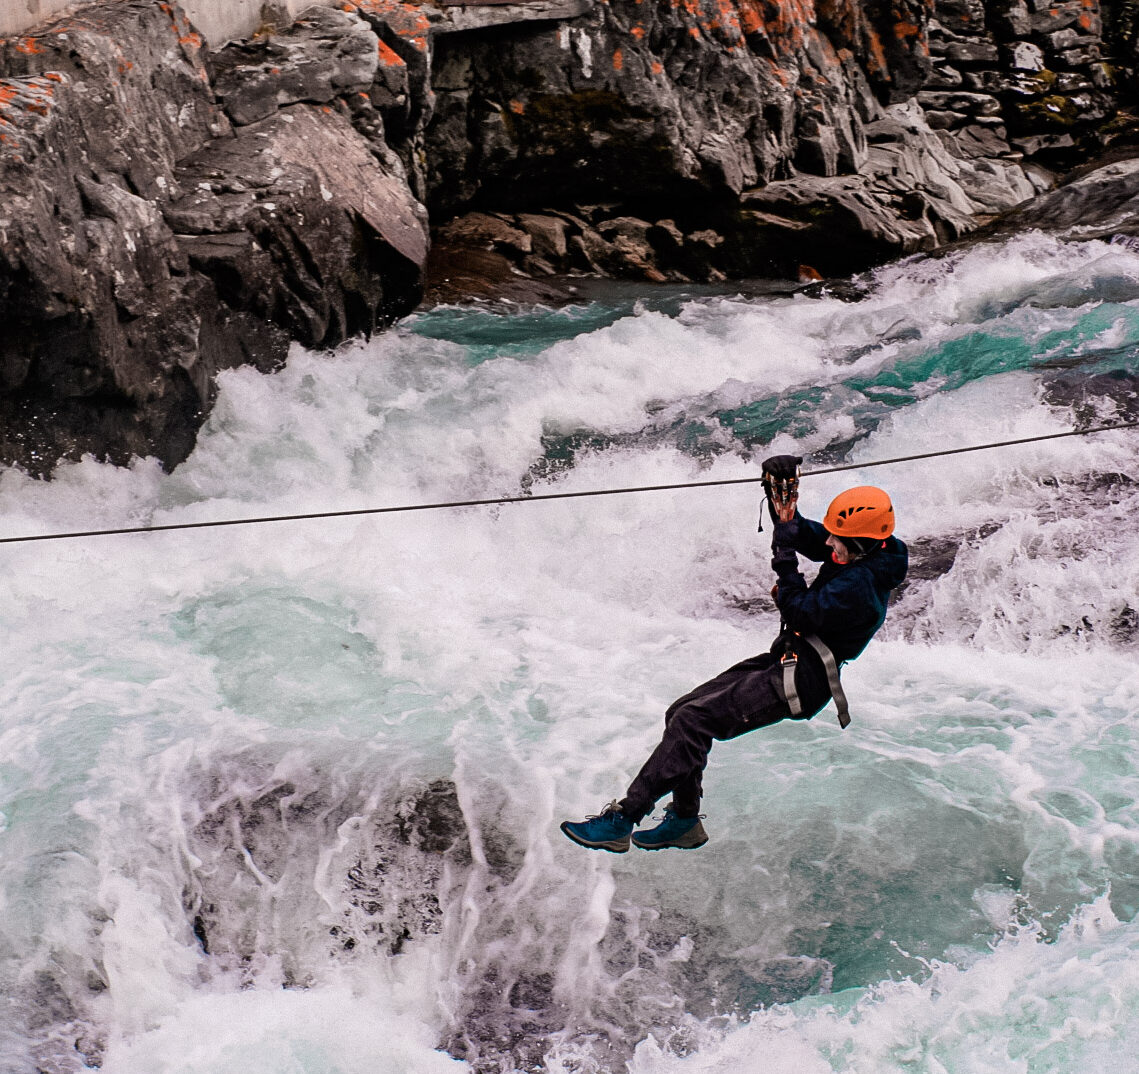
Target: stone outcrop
147, 241
1095, 203
167, 212
746, 140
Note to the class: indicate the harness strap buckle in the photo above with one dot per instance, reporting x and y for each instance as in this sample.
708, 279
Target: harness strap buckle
790, 694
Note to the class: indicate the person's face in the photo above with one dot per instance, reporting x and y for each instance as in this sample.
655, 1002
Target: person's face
839, 552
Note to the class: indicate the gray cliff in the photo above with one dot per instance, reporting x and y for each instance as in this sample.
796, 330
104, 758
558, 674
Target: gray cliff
168, 211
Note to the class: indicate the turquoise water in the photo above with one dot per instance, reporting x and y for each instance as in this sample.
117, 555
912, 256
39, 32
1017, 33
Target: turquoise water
285, 798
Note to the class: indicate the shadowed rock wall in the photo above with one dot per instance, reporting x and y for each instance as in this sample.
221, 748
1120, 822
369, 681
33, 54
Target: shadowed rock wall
723, 138
167, 212
147, 241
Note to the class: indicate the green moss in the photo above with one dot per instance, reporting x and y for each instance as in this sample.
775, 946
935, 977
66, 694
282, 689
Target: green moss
1051, 111
1044, 80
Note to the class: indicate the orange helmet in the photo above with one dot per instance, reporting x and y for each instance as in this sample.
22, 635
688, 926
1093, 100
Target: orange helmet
862, 512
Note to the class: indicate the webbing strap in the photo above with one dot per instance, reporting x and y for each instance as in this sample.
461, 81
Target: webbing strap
837, 693
791, 694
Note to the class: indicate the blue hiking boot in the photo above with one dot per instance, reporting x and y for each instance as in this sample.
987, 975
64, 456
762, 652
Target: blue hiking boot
684, 833
608, 831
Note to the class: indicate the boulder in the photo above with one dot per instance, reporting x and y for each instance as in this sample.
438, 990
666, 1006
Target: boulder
1099, 204
489, 231
280, 215
547, 236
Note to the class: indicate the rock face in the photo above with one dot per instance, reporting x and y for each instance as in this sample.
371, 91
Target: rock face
167, 212
736, 139
147, 241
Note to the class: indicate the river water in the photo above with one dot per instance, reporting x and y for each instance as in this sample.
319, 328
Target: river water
283, 799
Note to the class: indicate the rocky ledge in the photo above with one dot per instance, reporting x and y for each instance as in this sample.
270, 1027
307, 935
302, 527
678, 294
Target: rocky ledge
168, 211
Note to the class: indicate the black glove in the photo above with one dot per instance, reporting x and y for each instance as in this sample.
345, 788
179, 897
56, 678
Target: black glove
780, 482
782, 558
785, 534
782, 467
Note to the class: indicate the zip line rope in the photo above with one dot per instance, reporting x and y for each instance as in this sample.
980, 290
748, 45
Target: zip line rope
403, 508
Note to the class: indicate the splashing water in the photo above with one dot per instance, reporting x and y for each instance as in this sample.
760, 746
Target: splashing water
285, 798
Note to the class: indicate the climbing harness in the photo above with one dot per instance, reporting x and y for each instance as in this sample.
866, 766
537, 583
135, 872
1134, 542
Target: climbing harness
790, 660
535, 497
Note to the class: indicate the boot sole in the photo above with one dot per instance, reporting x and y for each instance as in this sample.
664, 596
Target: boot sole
671, 846
690, 840
613, 846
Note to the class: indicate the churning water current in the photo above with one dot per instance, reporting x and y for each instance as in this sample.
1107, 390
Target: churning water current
283, 799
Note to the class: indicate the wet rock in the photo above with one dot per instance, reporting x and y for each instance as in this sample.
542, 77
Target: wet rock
262, 839
432, 821
324, 54
547, 236
283, 241
488, 231
1100, 204
145, 246
458, 274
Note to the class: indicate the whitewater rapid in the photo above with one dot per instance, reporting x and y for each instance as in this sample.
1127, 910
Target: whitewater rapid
284, 798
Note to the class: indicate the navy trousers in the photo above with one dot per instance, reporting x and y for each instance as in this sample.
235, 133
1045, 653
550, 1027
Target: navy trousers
747, 696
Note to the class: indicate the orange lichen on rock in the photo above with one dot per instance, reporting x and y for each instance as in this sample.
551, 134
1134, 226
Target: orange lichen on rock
729, 18
750, 18
29, 46
618, 60
25, 103
388, 57
406, 20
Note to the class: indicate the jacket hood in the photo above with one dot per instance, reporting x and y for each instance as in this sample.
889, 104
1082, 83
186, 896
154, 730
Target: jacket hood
889, 564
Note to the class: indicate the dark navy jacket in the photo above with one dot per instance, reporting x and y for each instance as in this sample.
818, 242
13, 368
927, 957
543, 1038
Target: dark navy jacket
845, 604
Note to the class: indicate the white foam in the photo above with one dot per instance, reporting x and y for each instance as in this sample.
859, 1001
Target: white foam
527, 653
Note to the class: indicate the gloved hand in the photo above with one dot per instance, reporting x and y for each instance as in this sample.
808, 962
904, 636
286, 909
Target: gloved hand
784, 558
785, 534
781, 485
782, 467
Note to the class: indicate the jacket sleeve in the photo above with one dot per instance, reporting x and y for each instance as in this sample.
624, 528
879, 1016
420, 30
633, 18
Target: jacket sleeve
802, 535
848, 601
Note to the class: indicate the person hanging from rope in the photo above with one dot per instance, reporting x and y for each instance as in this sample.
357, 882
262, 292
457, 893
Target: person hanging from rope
823, 625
